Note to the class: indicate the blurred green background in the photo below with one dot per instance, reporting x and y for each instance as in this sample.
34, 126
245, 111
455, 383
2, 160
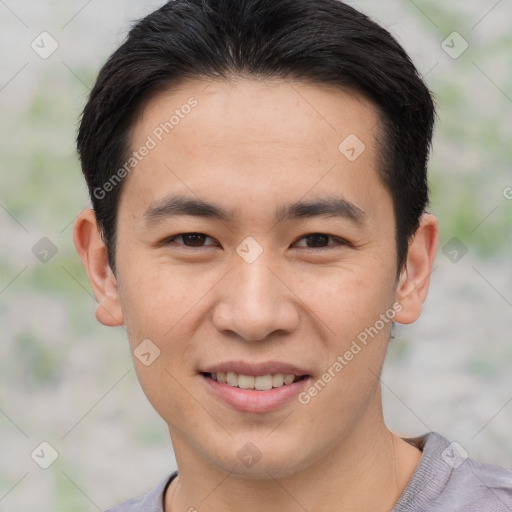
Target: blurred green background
66, 380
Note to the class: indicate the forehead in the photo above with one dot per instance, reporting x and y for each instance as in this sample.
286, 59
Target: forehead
257, 139
296, 112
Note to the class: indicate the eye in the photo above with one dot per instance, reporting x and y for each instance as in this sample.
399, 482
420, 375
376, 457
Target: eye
189, 240
313, 241
320, 241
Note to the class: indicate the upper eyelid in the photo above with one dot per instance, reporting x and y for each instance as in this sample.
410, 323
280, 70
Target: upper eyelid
170, 238
337, 239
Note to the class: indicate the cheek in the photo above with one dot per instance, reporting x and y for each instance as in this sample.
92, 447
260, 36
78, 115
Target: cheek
164, 389
347, 300
158, 295
357, 310
158, 304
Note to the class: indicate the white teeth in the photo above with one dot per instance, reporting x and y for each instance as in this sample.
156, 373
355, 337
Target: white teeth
288, 379
246, 381
277, 380
261, 382
232, 379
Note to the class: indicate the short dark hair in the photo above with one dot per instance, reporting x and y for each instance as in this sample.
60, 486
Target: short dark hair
314, 41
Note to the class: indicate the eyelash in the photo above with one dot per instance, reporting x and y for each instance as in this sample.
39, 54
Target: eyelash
338, 242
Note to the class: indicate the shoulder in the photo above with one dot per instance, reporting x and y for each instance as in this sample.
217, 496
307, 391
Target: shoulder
152, 501
481, 487
446, 479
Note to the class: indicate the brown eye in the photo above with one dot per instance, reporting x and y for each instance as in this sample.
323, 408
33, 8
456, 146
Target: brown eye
321, 241
188, 239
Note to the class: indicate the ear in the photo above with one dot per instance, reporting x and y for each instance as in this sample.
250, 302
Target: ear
93, 253
415, 277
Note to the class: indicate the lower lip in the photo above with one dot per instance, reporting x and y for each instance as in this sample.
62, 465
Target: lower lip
251, 400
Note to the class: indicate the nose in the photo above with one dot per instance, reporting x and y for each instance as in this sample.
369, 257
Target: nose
256, 301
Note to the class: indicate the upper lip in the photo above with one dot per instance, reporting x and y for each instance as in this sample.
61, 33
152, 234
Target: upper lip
256, 369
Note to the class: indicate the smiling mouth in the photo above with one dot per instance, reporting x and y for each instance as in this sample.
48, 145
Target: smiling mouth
258, 383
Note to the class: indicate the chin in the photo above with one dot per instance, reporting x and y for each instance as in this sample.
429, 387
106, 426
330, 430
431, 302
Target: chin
263, 460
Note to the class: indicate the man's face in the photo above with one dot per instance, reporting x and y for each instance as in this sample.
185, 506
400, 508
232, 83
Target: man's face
253, 292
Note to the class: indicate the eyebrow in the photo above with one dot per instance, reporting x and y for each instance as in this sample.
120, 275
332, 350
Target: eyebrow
330, 206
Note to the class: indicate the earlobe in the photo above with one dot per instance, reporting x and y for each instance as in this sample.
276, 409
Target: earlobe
415, 277
93, 253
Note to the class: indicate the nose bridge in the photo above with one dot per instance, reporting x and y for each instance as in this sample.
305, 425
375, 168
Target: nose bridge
254, 301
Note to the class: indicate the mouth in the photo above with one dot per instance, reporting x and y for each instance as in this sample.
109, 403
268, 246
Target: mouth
255, 388
255, 382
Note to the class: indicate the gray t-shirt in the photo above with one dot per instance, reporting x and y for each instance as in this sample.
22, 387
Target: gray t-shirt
444, 481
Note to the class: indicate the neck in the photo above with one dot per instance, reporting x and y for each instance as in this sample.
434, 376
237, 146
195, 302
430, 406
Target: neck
367, 469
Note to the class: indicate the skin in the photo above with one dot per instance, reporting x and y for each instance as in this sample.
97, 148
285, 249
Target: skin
250, 146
